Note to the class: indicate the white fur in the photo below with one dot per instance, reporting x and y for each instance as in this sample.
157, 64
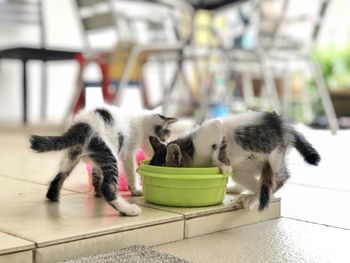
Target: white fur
245, 172
136, 129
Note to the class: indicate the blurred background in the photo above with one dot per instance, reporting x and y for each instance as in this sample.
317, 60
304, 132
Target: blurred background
193, 59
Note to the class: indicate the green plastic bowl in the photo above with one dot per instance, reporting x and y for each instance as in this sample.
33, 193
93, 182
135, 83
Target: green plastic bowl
184, 187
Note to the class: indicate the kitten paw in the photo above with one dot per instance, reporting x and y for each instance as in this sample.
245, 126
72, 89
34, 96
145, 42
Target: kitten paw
52, 197
125, 208
136, 192
237, 205
131, 210
248, 201
226, 169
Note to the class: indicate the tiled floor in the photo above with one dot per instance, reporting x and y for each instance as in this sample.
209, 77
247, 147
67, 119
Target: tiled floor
33, 229
315, 223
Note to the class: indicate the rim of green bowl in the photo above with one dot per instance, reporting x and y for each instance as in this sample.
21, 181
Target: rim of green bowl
183, 176
145, 166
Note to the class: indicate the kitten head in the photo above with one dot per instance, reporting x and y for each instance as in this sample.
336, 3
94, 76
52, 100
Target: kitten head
193, 150
160, 126
166, 155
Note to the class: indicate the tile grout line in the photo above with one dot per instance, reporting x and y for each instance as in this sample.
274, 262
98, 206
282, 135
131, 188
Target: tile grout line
33, 249
315, 223
36, 183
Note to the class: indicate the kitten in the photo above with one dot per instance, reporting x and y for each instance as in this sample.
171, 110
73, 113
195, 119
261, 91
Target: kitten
253, 145
104, 136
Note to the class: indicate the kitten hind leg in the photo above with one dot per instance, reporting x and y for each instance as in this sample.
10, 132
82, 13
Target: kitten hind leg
69, 161
273, 176
245, 177
282, 177
97, 178
103, 157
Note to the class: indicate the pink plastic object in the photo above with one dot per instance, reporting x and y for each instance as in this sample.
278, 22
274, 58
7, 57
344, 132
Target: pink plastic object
122, 182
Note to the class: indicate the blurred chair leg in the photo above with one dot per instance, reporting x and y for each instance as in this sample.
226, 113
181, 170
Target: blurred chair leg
78, 96
44, 91
287, 95
308, 115
25, 92
179, 72
143, 87
324, 95
247, 86
134, 53
268, 80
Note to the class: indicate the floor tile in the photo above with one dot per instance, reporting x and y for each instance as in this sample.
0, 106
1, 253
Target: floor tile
316, 205
41, 168
226, 205
332, 172
221, 221
149, 236
279, 241
76, 216
15, 192
19, 257
10, 244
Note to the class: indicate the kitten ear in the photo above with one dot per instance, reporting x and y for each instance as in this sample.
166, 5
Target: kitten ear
155, 143
174, 156
168, 120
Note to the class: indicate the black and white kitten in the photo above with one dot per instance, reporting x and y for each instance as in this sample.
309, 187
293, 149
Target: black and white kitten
253, 145
105, 135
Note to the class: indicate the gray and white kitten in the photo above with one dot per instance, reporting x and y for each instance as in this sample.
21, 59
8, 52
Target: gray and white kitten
104, 136
253, 145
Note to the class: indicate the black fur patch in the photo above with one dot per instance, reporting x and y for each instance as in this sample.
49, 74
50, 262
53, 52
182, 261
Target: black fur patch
76, 134
74, 152
96, 182
186, 145
223, 153
263, 137
264, 197
55, 187
267, 181
105, 115
309, 153
120, 141
159, 156
102, 156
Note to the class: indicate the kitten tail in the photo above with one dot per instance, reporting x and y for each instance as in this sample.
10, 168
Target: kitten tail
267, 185
76, 134
305, 148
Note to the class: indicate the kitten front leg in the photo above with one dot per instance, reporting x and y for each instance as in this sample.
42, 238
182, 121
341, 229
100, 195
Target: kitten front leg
130, 173
220, 158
